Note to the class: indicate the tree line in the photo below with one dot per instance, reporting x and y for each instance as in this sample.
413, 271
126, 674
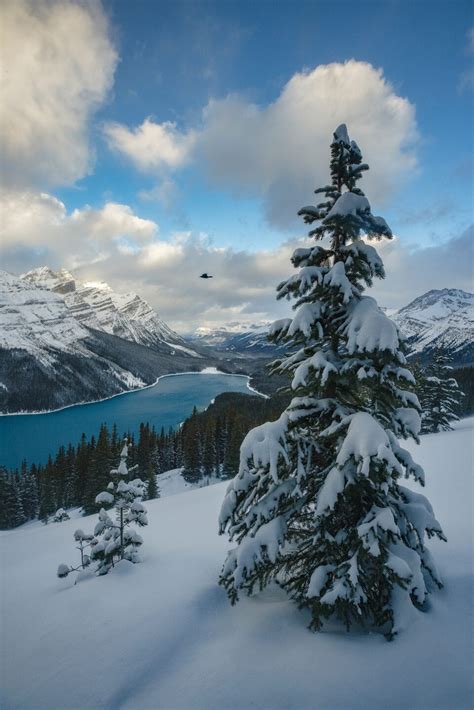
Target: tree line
207, 444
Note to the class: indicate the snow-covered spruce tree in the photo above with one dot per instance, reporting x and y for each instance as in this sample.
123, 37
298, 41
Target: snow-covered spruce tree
440, 396
317, 505
114, 540
60, 516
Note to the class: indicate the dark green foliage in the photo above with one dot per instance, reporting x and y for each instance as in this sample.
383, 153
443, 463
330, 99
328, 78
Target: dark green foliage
439, 395
206, 445
11, 507
464, 376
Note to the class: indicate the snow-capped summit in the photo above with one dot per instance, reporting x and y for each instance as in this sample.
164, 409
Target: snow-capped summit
61, 281
35, 319
441, 319
96, 305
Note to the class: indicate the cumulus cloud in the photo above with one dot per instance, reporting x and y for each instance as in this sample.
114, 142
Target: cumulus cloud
117, 245
280, 152
57, 66
151, 146
36, 226
413, 271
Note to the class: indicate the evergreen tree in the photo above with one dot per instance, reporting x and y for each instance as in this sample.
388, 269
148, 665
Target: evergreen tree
60, 516
192, 456
117, 541
81, 470
317, 505
237, 428
100, 462
440, 396
29, 491
145, 460
70, 478
11, 508
209, 450
48, 502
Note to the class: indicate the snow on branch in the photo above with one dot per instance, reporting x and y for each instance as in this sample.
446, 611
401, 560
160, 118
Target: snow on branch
265, 446
368, 329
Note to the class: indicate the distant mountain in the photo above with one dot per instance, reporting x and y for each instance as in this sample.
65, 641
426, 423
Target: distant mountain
96, 305
238, 338
439, 320
50, 357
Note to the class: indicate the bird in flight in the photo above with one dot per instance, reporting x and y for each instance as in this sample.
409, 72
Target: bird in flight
205, 276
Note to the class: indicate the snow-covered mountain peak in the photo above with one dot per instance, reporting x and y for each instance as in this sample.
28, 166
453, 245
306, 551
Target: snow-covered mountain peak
440, 303
96, 305
441, 319
35, 319
61, 281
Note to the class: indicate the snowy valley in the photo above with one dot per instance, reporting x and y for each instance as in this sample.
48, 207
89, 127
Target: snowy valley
441, 319
162, 634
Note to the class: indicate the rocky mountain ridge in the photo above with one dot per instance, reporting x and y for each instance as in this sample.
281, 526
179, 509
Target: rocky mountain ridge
96, 305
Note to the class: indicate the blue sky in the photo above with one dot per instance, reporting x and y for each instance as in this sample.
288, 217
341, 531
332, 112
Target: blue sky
218, 93
175, 56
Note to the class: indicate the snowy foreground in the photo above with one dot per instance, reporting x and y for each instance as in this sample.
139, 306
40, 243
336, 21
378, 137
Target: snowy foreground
161, 635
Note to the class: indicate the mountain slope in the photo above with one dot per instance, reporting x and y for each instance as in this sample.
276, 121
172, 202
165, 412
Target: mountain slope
239, 339
96, 305
50, 359
35, 320
439, 320
162, 634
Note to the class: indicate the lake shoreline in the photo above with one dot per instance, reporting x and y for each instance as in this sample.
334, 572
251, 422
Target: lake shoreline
205, 371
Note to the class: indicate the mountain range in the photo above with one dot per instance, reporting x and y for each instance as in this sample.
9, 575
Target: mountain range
438, 320
96, 305
64, 341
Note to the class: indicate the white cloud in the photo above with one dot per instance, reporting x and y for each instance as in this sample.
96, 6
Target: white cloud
57, 65
151, 146
116, 245
280, 152
413, 271
37, 226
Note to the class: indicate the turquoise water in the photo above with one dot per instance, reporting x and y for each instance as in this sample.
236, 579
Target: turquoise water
34, 436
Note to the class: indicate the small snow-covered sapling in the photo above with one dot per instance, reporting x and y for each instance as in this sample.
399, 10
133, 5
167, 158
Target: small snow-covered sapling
84, 541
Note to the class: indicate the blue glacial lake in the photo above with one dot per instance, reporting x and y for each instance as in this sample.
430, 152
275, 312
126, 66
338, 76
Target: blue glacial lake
34, 436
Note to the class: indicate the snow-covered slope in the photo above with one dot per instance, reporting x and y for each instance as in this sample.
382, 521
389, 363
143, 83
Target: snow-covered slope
36, 320
162, 634
97, 306
439, 320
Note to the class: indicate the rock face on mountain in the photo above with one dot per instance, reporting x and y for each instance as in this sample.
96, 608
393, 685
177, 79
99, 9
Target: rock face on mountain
35, 320
439, 320
96, 305
52, 357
